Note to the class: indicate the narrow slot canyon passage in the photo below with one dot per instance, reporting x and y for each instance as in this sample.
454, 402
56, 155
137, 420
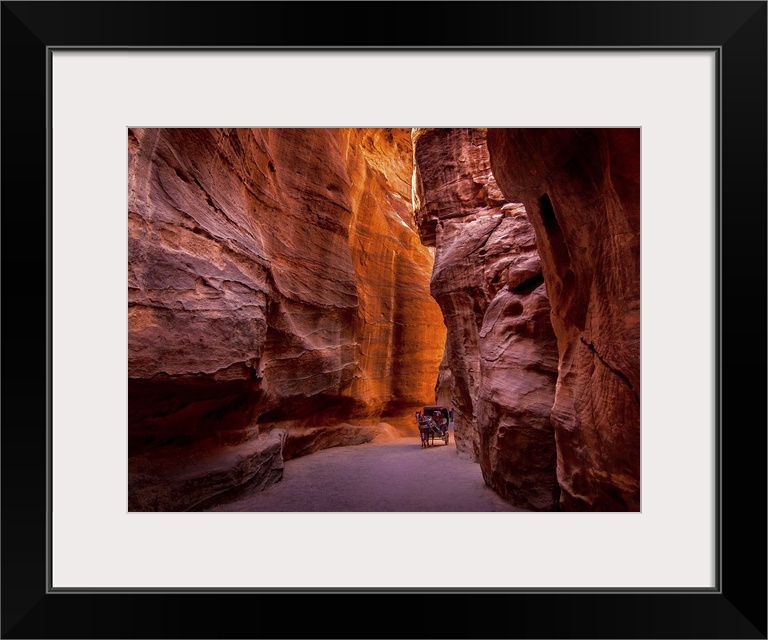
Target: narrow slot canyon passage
393, 475
297, 296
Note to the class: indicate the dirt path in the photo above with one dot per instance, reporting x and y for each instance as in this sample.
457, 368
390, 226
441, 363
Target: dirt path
389, 476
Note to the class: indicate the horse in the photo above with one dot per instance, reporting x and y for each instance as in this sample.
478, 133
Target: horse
425, 431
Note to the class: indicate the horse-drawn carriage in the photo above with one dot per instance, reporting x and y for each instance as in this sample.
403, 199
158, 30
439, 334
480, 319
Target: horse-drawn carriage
433, 423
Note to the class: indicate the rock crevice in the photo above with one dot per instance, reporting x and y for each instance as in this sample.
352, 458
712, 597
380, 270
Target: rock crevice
618, 373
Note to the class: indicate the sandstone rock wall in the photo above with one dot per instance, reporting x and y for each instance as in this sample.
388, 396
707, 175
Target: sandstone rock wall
500, 363
581, 189
275, 281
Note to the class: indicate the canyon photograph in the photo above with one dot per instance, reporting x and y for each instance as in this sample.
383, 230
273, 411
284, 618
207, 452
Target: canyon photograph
300, 299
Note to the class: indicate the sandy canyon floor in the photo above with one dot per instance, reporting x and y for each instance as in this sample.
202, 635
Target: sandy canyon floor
393, 476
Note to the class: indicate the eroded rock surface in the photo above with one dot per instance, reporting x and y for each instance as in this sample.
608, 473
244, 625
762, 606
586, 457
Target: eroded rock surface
199, 476
275, 281
581, 189
500, 363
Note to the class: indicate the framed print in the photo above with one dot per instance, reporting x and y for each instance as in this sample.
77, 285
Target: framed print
134, 133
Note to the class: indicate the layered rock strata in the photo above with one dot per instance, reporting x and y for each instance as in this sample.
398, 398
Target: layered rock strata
276, 282
581, 189
500, 364
199, 476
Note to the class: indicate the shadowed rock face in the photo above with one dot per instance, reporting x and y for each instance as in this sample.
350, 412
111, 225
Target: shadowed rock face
581, 189
500, 363
275, 280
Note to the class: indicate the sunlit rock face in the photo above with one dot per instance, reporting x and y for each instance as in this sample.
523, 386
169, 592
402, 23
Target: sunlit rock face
500, 364
581, 189
275, 281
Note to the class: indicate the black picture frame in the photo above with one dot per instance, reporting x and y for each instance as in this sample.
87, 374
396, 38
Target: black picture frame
735, 609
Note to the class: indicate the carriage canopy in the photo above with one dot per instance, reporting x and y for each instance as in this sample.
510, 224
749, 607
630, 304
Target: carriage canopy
430, 411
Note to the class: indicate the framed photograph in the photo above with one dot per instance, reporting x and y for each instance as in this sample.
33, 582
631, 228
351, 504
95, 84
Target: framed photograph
105, 535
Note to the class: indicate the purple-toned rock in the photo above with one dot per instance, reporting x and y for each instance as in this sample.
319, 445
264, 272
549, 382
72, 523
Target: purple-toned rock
581, 189
500, 363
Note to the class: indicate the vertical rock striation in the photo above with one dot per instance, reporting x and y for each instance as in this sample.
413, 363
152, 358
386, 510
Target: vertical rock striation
275, 281
500, 363
581, 189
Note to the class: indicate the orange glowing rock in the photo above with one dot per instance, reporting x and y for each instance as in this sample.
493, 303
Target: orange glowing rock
275, 280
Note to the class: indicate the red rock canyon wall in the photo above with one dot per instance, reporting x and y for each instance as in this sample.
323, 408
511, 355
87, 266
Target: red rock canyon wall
581, 189
500, 364
278, 302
